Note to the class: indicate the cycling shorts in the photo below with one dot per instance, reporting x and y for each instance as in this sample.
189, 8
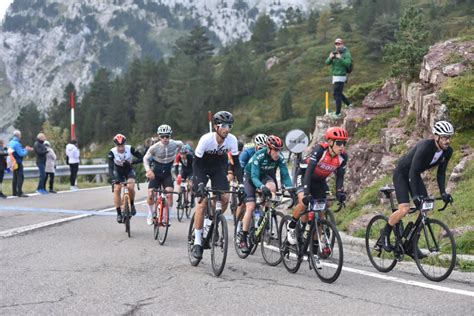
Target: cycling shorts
123, 174
217, 175
163, 180
401, 182
319, 189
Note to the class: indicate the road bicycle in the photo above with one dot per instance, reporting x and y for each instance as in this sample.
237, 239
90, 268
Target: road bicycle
215, 231
161, 215
428, 241
318, 241
185, 200
126, 205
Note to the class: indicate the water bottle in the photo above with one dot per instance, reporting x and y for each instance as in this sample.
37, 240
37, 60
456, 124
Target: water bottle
257, 216
207, 226
306, 231
218, 206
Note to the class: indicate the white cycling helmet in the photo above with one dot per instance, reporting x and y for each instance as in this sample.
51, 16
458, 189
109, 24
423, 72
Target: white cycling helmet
260, 140
443, 128
164, 130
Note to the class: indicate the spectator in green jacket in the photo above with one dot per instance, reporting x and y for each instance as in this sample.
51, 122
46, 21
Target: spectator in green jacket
340, 60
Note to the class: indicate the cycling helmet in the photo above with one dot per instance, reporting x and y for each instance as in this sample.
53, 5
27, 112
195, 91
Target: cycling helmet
223, 117
443, 128
260, 140
274, 142
120, 139
336, 133
164, 130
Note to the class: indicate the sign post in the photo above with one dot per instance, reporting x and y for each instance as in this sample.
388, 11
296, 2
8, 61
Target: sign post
296, 141
209, 118
73, 124
327, 103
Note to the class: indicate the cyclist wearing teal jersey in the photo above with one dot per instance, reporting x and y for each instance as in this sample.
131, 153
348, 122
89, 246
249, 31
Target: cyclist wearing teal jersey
260, 173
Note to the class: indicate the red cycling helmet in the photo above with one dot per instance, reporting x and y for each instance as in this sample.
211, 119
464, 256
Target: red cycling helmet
120, 139
336, 133
274, 142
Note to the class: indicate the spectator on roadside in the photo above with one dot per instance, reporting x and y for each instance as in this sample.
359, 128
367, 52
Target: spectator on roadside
18, 152
41, 151
50, 167
72, 156
341, 63
3, 166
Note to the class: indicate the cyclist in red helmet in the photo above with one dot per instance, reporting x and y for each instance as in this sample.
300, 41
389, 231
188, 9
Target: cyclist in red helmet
327, 158
120, 170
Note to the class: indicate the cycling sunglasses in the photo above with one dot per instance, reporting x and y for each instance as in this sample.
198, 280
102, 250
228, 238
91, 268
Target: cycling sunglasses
225, 125
340, 142
164, 136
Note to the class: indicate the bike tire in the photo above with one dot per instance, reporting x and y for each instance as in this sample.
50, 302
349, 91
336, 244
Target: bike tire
180, 208
127, 216
219, 245
240, 254
194, 262
163, 226
289, 253
328, 266
445, 261
269, 243
383, 261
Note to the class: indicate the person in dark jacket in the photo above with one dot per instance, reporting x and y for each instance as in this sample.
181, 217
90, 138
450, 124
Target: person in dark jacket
341, 61
18, 153
41, 151
3, 166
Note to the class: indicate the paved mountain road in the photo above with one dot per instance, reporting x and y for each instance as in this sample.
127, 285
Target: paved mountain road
89, 266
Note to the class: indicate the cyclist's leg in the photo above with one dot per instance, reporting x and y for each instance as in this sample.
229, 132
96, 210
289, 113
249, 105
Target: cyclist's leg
219, 181
168, 185
131, 185
249, 189
153, 184
199, 177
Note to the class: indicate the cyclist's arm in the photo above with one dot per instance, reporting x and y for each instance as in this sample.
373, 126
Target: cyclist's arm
255, 173
110, 159
244, 158
237, 169
313, 162
416, 169
340, 173
284, 173
137, 155
148, 156
441, 174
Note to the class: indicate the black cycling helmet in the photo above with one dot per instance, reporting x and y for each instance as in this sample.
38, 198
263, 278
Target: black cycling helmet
223, 117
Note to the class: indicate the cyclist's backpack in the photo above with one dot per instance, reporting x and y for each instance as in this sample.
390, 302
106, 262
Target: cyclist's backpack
350, 68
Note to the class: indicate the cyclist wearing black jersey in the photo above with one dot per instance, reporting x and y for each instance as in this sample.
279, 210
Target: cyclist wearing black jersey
120, 170
185, 160
427, 153
210, 162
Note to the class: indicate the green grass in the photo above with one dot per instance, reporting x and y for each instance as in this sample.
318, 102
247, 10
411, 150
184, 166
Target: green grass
371, 131
465, 244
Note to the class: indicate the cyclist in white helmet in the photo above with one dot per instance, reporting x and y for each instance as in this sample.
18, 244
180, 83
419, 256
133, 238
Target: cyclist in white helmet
426, 154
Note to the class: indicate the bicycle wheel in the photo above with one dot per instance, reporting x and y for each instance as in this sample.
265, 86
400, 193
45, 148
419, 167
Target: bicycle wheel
237, 229
194, 262
190, 198
326, 257
219, 243
269, 241
434, 250
126, 217
289, 253
163, 225
382, 260
181, 206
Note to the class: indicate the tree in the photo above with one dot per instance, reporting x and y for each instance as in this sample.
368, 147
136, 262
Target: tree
283, 36
195, 45
286, 109
263, 34
312, 22
381, 34
58, 138
406, 54
59, 114
323, 25
29, 122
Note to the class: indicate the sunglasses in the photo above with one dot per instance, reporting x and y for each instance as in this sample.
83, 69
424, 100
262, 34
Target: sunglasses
340, 142
225, 125
337, 44
164, 136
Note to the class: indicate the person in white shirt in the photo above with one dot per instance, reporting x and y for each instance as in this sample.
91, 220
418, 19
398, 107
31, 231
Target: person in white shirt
73, 154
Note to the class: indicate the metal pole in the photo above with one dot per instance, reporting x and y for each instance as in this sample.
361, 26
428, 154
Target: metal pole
209, 117
73, 125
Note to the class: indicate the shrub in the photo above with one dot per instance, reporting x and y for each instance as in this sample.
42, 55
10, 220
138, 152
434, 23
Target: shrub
357, 93
458, 96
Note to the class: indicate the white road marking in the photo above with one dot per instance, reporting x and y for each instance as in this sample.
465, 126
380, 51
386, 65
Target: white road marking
396, 279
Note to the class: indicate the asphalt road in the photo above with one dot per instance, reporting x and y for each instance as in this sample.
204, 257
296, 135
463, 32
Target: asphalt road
89, 266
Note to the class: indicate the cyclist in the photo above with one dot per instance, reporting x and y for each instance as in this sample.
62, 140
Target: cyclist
120, 170
426, 154
260, 142
230, 162
158, 162
184, 159
327, 158
210, 162
260, 173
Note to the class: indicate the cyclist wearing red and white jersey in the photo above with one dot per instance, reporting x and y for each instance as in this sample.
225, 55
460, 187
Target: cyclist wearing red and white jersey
184, 159
327, 158
210, 162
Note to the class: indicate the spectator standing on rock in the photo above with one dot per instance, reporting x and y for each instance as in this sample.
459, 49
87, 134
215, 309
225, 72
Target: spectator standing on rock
41, 151
72, 156
3, 166
50, 167
18, 152
341, 64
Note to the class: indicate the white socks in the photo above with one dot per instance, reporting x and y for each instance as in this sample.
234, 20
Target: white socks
150, 209
198, 237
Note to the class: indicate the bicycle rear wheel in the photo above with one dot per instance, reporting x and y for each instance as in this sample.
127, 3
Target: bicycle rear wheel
189, 201
163, 225
289, 253
269, 240
194, 262
382, 260
126, 219
181, 206
219, 244
326, 257
434, 250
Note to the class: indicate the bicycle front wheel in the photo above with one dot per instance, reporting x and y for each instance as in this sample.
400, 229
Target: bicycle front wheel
289, 253
382, 260
269, 240
181, 206
163, 225
126, 218
326, 256
220, 241
434, 250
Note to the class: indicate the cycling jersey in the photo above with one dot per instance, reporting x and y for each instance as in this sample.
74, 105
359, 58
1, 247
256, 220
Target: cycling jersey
245, 156
262, 164
186, 165
120, 164
321, 164
162, 156
407, 175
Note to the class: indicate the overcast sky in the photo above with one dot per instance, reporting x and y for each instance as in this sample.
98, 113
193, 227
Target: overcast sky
3, 7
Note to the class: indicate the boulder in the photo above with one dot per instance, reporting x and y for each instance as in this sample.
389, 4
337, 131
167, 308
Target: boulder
458, 172
392, 137
454, 70
355, 118
383, 98
272, 61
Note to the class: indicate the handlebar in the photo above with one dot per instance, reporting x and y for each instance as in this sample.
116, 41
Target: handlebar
413, 209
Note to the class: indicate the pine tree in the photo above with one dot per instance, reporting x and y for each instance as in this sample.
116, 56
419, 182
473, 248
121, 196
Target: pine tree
29, 122
286, 109
323, 25
263, 34
312, 22
59, 114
